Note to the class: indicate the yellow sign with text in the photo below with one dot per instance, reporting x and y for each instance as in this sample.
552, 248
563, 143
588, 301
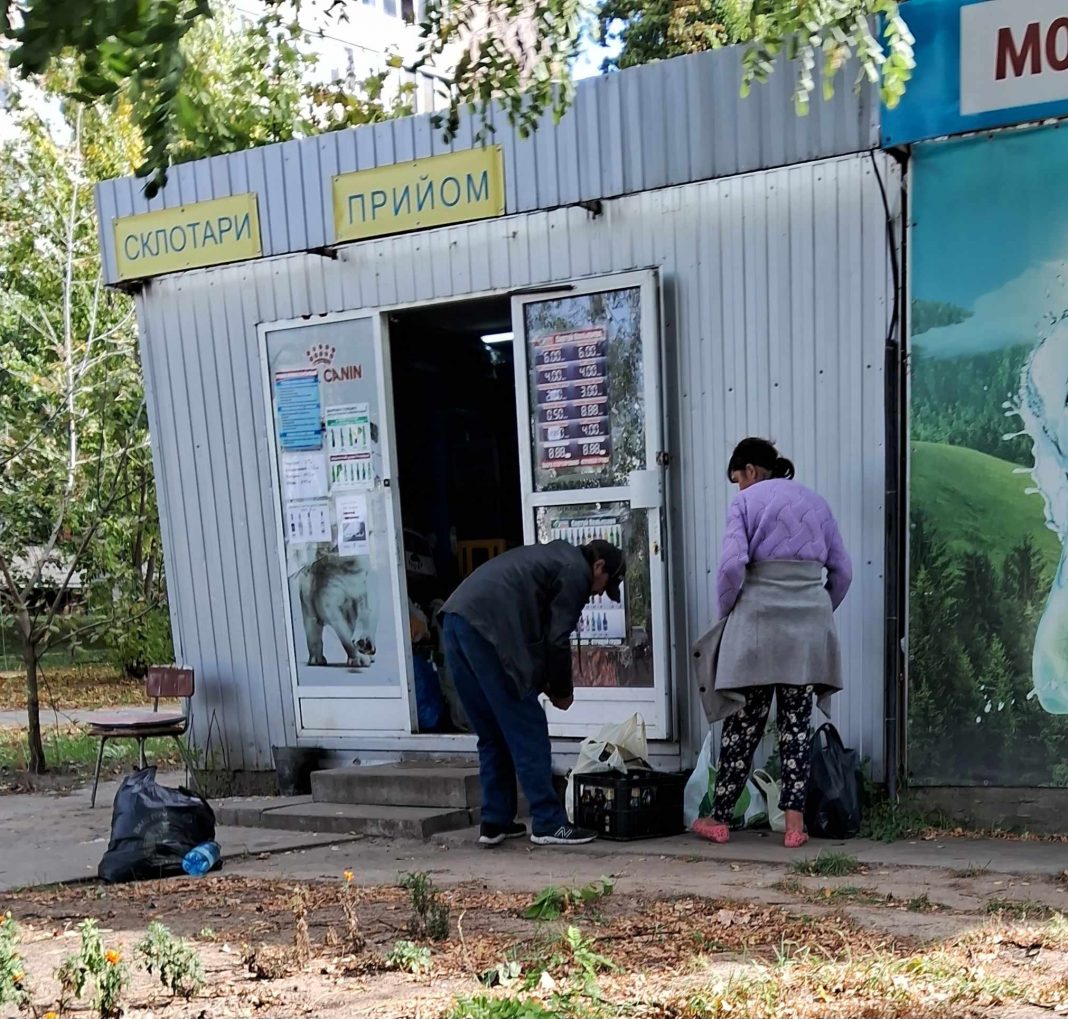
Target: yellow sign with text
188, 237
436, 191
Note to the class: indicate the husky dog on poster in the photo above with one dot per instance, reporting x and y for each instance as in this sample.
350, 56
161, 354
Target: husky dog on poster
334, 592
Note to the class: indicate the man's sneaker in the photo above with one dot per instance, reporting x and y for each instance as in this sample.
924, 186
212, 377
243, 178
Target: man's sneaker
565, 835
495, 834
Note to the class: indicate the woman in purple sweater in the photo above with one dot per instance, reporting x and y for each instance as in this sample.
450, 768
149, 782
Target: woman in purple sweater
776, 634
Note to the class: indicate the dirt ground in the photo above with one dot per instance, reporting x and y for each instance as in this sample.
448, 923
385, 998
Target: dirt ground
782, 944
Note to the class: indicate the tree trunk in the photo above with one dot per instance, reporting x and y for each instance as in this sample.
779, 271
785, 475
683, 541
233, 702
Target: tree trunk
38, 764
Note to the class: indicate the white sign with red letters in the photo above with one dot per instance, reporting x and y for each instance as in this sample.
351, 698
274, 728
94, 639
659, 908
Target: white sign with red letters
1013, 53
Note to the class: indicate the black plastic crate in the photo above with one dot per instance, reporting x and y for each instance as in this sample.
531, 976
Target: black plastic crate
637, 805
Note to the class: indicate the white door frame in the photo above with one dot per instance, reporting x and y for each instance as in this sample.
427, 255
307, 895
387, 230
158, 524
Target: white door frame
376, 703
648, 492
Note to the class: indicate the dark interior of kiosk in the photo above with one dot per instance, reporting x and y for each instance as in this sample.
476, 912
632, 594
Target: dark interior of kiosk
457, 468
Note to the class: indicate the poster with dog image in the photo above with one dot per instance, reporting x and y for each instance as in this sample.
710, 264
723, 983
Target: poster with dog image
341, 586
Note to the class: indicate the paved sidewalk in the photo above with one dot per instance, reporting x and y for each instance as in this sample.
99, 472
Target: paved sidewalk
46, 838
65, 716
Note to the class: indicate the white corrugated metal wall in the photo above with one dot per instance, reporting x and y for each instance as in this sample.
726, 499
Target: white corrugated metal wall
777, 294
648, 127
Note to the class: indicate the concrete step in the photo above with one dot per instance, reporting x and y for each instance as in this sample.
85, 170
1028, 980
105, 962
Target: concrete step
399, 785
302, 813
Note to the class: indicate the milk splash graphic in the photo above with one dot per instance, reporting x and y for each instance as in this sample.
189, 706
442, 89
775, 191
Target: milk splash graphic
1043, 409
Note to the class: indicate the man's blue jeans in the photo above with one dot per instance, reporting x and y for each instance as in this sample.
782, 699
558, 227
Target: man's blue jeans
513, 735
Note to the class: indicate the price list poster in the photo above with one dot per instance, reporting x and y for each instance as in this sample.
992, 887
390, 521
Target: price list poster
571, 397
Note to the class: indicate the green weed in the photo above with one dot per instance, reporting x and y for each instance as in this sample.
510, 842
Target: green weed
13, 990
552, 902
172, 959
409, 957
430, 916
828, 865
1019, 909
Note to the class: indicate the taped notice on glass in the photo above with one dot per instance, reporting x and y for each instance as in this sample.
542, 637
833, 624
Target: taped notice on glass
348, 428
308, 522
303, 476
603, 621
352, 531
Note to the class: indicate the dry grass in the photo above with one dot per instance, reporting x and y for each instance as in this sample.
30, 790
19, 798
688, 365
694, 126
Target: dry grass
651, 958
67, 687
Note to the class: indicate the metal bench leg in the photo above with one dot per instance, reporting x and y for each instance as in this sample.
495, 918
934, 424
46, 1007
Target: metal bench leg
96, 777
143, 759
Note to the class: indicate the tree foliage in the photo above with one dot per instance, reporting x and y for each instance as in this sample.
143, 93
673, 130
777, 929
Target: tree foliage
196, 85
648, 30
76, 493
515, 53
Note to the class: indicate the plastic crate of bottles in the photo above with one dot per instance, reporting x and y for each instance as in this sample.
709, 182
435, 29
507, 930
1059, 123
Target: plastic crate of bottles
638, 805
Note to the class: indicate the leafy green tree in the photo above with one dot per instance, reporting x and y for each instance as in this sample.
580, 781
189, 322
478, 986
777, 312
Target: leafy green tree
514, 52
166, 58
648, 30
75, 469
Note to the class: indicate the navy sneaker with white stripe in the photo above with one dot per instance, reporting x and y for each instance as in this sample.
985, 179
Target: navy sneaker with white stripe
565, 835
495, 834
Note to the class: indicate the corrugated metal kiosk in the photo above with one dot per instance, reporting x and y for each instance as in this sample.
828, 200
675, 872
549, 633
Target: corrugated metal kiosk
373, 359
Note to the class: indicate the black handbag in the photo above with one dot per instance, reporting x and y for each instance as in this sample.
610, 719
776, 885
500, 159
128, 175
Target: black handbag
832, 804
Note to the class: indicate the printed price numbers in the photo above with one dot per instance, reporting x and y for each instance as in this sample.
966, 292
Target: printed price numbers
582, 412
593, 429
563, 353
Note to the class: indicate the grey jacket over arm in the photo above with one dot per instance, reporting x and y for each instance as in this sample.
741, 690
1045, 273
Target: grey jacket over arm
527, 603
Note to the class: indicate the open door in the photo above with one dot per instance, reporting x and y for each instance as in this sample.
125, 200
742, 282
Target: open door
339, 548
589, 399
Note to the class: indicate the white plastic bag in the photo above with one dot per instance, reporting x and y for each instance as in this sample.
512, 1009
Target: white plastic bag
749, 811
770, 790
615, 748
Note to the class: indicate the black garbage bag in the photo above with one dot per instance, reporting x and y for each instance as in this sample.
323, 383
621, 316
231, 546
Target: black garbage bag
832, 805
152, 828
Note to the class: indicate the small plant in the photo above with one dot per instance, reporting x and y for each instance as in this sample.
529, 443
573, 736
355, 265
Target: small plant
206, 934
789, 885
504, 974
828, 865
588, 962
500, 1008
1019, 909
552, 902
301, 939
94, 964
430, 916
173, 960
409, 957
13, 990
921, 904
559, 1006
852, 893
976, 870
353, 937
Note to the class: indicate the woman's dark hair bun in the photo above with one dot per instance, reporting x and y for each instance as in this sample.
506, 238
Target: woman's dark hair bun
759, 453
782, 468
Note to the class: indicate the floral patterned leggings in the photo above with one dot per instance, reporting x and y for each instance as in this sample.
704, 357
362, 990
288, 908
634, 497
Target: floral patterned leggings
743, 730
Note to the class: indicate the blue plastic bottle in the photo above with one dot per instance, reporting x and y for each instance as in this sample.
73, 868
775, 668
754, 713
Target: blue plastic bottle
200, 859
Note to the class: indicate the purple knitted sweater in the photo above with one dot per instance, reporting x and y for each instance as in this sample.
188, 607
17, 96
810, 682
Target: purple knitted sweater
778, 519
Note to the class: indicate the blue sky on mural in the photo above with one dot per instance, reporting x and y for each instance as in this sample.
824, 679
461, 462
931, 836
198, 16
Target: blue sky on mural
991, 235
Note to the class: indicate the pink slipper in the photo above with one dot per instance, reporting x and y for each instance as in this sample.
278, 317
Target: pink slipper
714, 831
794, 839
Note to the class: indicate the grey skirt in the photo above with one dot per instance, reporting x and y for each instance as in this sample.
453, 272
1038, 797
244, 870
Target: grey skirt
780, 632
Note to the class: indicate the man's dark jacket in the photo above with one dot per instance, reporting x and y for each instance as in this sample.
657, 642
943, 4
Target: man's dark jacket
526, 603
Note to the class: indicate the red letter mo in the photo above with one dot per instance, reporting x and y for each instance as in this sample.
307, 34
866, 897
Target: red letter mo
1030, 50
